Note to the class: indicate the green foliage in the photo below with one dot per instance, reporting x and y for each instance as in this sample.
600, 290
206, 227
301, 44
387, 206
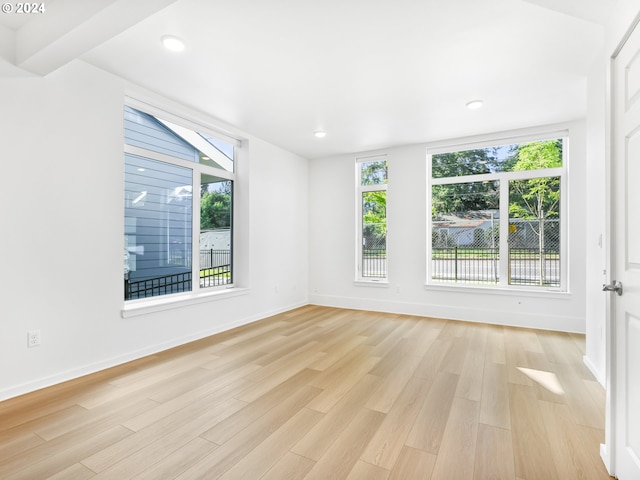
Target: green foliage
539, 197
464, 197
374, 217
215, 210
374, 205
373, 173
538, 155
528, 198
455, 164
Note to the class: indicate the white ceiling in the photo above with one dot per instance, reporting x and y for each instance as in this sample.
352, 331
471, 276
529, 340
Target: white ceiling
372, 73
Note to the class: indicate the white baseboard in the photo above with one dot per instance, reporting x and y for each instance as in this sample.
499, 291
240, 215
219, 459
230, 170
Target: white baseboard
596, 373
31, 386
606, 458
455, 312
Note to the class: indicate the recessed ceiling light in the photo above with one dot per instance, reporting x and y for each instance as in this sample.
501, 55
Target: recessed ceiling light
172, 43
320, 134
473, 104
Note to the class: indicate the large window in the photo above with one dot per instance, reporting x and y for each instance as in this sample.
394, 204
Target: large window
372, 218
178, 217
497, 214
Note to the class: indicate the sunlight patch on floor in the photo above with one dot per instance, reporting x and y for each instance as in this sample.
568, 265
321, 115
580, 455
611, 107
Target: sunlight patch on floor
548, 380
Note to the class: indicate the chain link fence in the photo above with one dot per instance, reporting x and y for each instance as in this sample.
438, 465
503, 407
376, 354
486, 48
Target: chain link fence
468, 251
374, 250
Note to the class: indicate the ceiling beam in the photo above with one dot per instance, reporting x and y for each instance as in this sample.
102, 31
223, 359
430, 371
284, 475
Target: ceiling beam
69, 28
8, 53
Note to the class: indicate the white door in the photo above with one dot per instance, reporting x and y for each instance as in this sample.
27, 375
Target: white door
625, 381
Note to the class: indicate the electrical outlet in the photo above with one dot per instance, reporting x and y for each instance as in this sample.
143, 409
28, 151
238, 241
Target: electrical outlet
33, 338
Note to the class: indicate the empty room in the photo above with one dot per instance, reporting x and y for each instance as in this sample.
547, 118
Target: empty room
286, 239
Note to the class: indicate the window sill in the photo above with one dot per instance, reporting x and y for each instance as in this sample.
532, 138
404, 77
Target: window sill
134, 308
498, 290
381, 283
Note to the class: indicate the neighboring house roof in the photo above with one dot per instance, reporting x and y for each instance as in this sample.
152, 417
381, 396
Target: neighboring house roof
460, 224
473, 220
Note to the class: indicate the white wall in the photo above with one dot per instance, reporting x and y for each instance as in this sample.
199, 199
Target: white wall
61, 211
332, 232
596, 238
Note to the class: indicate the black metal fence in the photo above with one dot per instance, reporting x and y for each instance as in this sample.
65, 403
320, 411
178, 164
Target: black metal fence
374, 250
215, 269
214, 258
527, 266
471, 265
465, 249
152, 287
374, 262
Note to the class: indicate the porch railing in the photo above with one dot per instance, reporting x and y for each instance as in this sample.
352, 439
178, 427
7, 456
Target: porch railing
215, 269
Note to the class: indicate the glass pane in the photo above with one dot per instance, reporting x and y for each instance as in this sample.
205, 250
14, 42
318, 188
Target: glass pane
374, 234
502, 158
216, 213
465, 236
158, 135
222, 156
373, 173
157, 237
534, 232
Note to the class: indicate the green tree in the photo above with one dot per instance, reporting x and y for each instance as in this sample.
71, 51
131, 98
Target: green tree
469, 162
215, 210
464, 197
373, 173
537, 198
374, 218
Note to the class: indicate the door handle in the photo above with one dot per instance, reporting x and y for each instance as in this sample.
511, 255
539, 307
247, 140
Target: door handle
614, 286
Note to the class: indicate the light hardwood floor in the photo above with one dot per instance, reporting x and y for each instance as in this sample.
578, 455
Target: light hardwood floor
323, 393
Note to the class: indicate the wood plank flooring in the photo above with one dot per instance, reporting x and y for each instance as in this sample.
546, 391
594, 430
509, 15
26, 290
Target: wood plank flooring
323, 393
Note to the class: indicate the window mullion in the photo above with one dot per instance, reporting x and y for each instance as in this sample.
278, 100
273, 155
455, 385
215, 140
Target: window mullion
464, 179
517, 175
503, 265
205, 169
564, 231
531, 174
195, 233
376, 187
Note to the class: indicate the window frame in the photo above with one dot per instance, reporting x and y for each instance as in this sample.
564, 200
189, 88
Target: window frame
197, 294
360, 190
504, 178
